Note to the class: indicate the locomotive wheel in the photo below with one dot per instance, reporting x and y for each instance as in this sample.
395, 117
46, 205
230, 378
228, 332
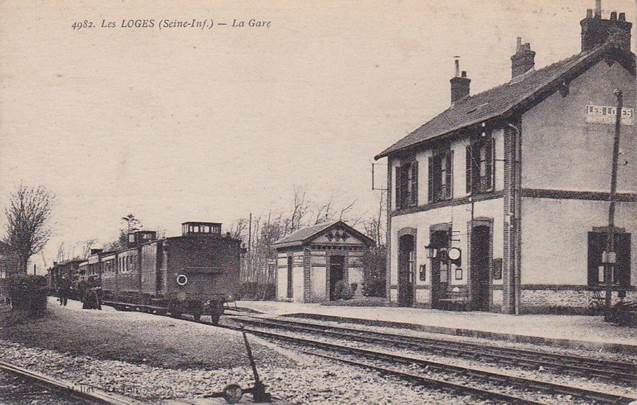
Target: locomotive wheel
197, 316
214, 319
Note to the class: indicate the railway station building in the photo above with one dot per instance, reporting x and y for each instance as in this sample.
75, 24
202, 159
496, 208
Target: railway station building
312, 260
501, 202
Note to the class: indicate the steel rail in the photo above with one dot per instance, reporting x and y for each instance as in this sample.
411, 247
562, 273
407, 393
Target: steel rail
523, 358
592, 362
497, 378
430, 382
85, 392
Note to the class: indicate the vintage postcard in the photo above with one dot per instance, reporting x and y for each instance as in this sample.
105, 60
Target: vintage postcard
318, 202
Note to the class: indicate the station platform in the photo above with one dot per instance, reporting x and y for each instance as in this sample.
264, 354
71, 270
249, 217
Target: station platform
572, 331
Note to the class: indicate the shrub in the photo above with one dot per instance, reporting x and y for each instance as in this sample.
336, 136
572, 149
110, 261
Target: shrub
255, 291
28, 293
342, 290
374, 268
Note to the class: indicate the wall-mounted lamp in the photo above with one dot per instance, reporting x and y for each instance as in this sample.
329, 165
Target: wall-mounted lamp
432, 252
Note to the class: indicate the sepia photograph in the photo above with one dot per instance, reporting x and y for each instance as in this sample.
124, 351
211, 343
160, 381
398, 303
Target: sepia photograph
318, 202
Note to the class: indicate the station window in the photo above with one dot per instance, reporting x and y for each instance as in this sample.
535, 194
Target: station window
131, 238
407, 185
480, 168
597, 243
441, 175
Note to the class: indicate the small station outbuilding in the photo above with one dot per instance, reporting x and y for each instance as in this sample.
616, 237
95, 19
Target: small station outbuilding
312, 260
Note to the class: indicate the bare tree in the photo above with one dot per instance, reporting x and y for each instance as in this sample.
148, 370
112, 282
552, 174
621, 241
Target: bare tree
132, 223
28, 213
61, 254
323, 212
237, 230
88, 245
300, 208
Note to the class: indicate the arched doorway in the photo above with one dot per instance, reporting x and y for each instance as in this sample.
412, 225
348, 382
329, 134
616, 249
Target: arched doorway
480, 266
440, 275
406, 266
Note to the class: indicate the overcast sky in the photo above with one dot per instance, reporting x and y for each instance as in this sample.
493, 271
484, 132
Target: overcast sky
179, 125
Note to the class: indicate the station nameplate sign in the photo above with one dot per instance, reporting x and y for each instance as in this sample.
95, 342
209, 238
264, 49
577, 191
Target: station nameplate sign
600, 114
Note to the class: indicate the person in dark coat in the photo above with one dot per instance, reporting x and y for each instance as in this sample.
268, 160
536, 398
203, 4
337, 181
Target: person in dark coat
65, 286
82, 288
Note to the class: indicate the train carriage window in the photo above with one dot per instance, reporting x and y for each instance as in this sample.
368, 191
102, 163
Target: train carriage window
206, 229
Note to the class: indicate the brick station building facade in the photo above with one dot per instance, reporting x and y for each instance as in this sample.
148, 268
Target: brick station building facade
500, 203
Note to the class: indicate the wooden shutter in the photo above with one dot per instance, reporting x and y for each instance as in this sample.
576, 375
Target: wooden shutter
430, 180
398, 180
449, 173
468, 167
489, 163
414, 183
595, 248
622, 268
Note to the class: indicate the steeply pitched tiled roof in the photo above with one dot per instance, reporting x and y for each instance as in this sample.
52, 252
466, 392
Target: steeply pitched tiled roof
496, 102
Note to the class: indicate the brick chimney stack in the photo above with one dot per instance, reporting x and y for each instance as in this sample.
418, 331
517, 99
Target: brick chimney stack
596, 30
460, 84
523, 60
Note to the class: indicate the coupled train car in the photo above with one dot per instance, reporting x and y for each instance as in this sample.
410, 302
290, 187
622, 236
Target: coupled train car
195, 273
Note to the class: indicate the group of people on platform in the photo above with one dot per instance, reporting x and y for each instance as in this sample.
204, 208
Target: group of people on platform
89, 292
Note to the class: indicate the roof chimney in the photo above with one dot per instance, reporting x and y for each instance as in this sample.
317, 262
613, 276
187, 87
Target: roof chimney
523, 59
459, 83
596, 30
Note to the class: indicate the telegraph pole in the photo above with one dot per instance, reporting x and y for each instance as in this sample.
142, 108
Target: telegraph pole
610, 244
250, 248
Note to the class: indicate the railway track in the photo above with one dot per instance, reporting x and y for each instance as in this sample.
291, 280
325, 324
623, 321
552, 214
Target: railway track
607, 371
71, 392
470, 378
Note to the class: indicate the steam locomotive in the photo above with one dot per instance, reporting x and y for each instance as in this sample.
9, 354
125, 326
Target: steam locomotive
195, 273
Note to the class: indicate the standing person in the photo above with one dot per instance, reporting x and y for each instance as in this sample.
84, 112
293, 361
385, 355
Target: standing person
64, 290
82, 288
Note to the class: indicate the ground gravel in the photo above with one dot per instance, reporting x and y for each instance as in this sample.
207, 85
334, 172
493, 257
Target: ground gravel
311, 381
153, 358
135, 337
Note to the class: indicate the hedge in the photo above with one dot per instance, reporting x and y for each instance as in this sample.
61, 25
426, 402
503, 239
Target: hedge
28, 293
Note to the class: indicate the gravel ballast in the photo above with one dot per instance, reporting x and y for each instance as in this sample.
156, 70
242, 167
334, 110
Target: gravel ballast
152, 358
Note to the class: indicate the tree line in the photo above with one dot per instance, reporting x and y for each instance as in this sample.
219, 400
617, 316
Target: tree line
259, 232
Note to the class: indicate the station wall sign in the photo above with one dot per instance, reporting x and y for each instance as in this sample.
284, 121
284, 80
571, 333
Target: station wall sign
600, 114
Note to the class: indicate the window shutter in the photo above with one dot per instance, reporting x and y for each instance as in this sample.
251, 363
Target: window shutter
490, 159
468, 166
595, 247
414, 183
430, 180
449, 173
622, 268
398, 205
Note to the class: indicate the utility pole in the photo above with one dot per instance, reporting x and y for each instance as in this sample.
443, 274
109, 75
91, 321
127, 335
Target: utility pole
609, 264
250, 248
